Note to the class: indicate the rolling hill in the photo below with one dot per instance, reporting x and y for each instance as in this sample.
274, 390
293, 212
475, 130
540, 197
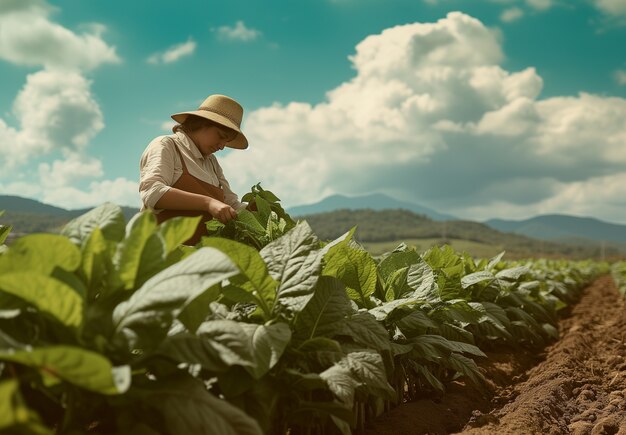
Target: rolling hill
376, 201
32, 216
399, 225
555, 235
560, 227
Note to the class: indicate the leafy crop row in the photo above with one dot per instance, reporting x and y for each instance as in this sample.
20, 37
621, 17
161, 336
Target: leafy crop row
117, 328
618, 271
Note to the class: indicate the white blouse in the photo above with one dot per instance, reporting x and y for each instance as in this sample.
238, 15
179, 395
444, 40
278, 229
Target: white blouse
160, 167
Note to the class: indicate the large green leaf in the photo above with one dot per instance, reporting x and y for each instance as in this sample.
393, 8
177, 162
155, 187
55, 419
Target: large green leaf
397, 260
247, 221
427, 376
435, 346
512, 274
95, 260
341, 382
415, 323
467, 367
141, 253
81, 367
387, 309
477, 277
108, 217
366, 330
4, 232
15, 416
252, 267
268, 342
264, 210
325, 313
357, 369
216, 346
355, 268
143, 320
493, 262
294, 260
48, 294
421, 278
177, 230
186, 407
40, 253
344, 239
396, 285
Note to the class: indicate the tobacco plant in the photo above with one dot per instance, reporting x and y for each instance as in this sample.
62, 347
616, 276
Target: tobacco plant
114, 328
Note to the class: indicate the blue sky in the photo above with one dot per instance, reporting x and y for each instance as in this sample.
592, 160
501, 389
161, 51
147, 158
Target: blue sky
482, 108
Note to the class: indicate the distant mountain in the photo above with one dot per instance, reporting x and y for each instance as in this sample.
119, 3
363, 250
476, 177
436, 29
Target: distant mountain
401, 225
25, 205
31, 216
563, 227
375, 201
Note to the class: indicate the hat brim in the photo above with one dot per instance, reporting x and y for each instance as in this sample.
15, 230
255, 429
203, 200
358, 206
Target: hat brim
240, 142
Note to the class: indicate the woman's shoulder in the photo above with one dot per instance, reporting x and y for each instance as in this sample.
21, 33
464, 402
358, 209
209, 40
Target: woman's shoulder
166, 140
164, 143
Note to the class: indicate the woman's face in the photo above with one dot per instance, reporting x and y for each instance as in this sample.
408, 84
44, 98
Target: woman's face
210, 139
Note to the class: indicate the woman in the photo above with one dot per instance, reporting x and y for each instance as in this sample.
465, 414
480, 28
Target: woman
180, 176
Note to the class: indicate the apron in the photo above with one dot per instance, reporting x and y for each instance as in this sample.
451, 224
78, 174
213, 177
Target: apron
189, 183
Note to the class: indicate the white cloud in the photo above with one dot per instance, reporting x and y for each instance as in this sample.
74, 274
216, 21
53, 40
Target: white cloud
58, 187
66, 172
432, 115
168, 125
620, 77
238, 32
55, 110
511, 14
597, 197
174, 53
21, 188
611, 7
118, 191
28, 37
11, 6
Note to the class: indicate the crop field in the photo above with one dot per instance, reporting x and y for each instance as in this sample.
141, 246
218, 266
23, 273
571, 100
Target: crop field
475, 249
115, 327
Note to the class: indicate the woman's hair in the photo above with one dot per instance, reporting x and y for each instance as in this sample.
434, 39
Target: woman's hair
193, 123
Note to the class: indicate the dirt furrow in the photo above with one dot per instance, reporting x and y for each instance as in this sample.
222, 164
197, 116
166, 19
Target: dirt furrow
580, 387
577, 385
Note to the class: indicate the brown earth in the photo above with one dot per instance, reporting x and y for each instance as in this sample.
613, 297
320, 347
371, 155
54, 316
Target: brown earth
575, 386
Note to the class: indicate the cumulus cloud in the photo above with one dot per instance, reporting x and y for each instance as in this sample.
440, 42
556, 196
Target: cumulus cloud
611, 7
511, 14
55, 112
42, 42
432, 115
168, 125
118, 191
238, 32
174, 53
73, 169
599, 196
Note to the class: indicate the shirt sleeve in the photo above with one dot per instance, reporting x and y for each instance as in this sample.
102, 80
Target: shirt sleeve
230, 197
156, 171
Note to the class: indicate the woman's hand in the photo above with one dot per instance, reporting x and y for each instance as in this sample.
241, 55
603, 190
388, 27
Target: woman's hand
176, 199
220, 211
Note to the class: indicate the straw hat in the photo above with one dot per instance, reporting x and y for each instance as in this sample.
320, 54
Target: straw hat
223, 110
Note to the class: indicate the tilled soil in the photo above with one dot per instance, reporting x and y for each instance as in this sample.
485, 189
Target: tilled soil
576, 386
